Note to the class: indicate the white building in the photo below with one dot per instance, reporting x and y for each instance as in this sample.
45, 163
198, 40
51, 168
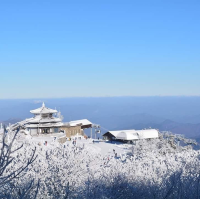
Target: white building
48, 121
44, 121
131, 135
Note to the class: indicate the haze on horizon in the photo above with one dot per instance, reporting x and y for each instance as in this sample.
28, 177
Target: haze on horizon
55, 49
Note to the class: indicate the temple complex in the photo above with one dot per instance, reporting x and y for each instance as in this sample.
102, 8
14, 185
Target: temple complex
49, 121
45, 121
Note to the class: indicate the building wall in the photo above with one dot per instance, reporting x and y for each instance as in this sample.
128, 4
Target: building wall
33, 131
108, 136
72, 130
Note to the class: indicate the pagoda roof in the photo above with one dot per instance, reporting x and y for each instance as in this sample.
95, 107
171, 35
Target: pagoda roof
43, 110
44, 120
59, 124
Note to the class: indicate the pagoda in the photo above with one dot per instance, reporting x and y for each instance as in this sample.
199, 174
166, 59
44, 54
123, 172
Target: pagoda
45, 121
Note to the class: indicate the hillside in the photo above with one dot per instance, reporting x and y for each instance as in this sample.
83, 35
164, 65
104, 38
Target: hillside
93, 170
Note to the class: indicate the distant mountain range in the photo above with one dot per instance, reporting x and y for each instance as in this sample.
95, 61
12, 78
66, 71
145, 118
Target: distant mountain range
10, 121
140, 121
181, 115
190, 119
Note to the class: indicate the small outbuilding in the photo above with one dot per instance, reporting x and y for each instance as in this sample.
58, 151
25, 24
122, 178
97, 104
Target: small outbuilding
76, 128
131, 135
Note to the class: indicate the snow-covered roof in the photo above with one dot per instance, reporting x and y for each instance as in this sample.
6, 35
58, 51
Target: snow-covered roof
38, 121
59, 124
125, 135
83, 122
43, 110
134, 134
44, 120
148, 133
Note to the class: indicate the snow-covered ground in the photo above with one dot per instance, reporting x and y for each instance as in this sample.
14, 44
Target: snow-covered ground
105, 148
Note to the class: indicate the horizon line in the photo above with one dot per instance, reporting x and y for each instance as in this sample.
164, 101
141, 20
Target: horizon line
125, 96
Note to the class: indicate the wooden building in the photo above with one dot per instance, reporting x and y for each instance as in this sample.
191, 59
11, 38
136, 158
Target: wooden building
76, 128
72, 130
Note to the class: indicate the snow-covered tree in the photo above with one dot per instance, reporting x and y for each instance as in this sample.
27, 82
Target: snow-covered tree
13, 168
156, 168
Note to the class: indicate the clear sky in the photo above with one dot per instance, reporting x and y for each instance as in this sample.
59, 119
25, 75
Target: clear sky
54, 48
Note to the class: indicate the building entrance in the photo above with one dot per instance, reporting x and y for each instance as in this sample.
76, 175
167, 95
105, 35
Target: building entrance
45, 130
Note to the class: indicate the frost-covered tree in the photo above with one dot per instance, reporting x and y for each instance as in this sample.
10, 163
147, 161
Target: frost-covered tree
13, 168
166, 167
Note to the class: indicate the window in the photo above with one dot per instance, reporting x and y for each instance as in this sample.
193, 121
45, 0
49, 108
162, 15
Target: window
55, 130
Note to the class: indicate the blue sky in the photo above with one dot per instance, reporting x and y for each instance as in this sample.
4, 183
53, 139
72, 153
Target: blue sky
99, 48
